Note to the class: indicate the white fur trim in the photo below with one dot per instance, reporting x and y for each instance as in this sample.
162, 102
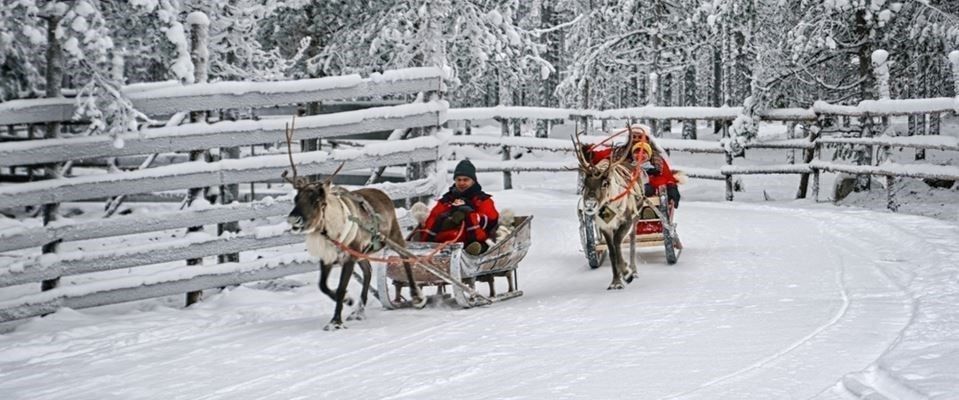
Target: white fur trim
680, 177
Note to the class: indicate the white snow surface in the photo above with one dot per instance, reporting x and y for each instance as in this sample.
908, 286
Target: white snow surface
792, 300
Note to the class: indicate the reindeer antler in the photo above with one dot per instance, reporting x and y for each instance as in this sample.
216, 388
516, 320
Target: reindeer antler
295, 181
329, 179
578, 149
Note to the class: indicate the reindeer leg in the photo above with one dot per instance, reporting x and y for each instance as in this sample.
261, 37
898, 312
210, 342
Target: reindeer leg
325, 270
360, 313
345, 275
629, 269
616, 259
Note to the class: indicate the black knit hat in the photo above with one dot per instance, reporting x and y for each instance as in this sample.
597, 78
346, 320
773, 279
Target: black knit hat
465, 168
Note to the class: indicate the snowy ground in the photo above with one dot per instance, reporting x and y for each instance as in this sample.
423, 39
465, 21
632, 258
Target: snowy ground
776, 300
772, 298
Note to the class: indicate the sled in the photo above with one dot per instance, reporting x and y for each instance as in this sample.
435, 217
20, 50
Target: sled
500, 260
654, 227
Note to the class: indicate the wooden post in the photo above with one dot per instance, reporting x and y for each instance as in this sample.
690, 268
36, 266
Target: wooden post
54, 80
430, 167
729, 178
808, 156
229, 194
815, 177
507, 175
689, 129
891, 194
199, 55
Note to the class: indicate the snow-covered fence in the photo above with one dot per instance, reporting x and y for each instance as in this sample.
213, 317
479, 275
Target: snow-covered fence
25, 269
20, 264
814, 118
725, 172
171, 97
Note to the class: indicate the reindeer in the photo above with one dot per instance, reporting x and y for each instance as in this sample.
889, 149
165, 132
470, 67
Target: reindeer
611, 195
338, 225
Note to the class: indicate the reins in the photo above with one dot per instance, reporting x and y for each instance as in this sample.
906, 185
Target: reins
634, 176
426, 258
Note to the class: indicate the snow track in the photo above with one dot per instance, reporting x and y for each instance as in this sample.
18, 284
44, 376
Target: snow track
792, 301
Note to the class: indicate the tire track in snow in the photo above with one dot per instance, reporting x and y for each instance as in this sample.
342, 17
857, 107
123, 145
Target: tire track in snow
407, 341
840, 282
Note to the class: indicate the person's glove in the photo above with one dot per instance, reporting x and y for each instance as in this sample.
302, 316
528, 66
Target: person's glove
453, 220
650, 168
465, 208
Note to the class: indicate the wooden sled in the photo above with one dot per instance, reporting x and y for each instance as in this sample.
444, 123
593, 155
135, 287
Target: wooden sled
654, 227
501, 260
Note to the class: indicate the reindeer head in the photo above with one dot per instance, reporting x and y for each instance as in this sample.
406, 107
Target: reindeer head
595, 177
309, 205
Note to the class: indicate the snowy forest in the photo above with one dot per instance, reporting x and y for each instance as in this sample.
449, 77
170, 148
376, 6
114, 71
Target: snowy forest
155, 245
588, 54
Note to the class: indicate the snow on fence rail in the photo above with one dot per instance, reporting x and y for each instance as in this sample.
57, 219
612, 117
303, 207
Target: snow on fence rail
648, 112
16, 238
886, 107
239, 133
165, 99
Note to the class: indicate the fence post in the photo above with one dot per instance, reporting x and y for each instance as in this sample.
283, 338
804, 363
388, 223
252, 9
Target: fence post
507, 175
199, 55
469, 128
689, 129
729, 177
808, 155
891, 194
430, 168
54, 80
817, 151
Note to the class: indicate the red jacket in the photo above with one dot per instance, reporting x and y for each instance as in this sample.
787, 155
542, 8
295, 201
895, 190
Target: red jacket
480, 221
664, 177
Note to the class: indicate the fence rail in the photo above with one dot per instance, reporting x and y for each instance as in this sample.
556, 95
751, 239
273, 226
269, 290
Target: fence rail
240, 133
200, 174
167, 99
181, 280
812, 145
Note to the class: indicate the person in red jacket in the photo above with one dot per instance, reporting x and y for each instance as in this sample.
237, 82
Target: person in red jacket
650, 158
465, 213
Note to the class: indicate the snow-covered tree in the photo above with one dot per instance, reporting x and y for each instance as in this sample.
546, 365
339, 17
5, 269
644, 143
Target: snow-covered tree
477, 41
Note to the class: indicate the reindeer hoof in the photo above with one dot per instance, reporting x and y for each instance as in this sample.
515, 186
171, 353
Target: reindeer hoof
616, 286
629, 276
419, 302
334, 326
357, 315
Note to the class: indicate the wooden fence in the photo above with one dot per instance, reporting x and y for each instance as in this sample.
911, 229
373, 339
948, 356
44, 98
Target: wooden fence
824, 124
21, 262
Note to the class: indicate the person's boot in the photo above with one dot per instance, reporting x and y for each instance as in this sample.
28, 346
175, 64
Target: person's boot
474, 248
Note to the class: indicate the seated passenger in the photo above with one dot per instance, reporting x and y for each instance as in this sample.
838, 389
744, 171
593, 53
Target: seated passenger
645, 154
465, 207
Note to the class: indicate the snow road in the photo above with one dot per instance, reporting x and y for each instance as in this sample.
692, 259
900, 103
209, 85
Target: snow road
786, 301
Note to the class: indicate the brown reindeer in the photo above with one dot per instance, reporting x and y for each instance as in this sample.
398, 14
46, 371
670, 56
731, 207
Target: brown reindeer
612, 197
338, 225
